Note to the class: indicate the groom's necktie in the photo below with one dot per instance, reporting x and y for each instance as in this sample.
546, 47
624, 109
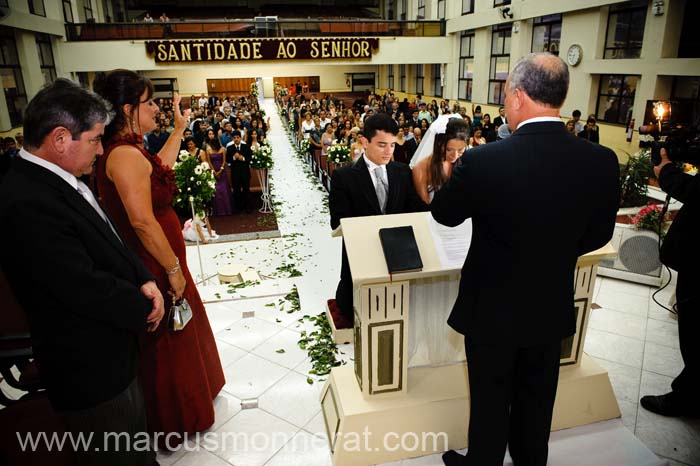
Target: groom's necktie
382, 188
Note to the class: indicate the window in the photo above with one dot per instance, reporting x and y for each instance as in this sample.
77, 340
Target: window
500, 63
419, 79
467, 7
616, 98
11, 75
45, 53
501, 2
68, 11
36, 7
466, 65
689, 46
421, 9
390, 77
89, 17
625, 30
404, 10
437, 80
402, 78
441, 9
546, 34
686, 92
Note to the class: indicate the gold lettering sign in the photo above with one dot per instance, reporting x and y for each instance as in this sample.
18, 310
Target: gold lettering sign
227, 50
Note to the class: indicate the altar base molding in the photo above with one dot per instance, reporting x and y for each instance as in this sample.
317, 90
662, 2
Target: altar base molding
395, 402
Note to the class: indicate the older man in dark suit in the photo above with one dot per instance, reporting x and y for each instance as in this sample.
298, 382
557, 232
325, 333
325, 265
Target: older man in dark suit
532, 218
373, 185
86, 295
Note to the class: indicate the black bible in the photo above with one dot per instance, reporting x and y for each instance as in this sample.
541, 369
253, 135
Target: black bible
400, 249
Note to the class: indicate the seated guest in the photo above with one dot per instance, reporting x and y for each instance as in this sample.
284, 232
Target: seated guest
186, 134
192, 149
571, 127
327, 139
590, 132
432, 172
391, 192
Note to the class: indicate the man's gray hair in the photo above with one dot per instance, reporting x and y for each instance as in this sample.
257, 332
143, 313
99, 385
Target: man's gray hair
63, 103
542, 76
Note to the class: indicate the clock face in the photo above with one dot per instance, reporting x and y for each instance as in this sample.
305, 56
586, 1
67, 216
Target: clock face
573, 56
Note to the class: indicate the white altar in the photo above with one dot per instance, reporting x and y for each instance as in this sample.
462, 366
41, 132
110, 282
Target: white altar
409, 375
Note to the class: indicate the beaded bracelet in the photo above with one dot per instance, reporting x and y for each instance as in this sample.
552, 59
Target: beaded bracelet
175, 268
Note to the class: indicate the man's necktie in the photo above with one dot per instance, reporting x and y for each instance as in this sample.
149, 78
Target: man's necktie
90, 198
382, 188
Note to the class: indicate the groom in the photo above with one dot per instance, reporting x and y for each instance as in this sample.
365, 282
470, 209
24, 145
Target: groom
373, 185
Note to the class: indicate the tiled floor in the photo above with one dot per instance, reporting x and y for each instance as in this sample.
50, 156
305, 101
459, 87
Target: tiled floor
635, 340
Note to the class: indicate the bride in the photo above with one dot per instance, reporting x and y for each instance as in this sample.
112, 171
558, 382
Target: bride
432, 169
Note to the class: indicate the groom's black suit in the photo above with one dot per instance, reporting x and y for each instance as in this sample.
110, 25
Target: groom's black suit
537, 200
352, 194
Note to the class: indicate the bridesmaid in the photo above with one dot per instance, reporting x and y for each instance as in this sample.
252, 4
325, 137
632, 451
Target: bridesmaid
214, 156
180, 372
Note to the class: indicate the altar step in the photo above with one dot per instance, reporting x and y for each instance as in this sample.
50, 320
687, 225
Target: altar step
213, 291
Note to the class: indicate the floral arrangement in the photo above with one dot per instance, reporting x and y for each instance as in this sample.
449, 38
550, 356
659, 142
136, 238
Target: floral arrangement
339, 153
254, 89
291, 126
649, 218
195, 181
283, 112
262, 112
304, 146
262, 157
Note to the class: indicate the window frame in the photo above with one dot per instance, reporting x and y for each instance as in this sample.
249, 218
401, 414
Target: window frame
404, 10
437, 81
441, 9
546, 23
628, 9
43, 38
468, 83
390, 77
507, 30
402, 77
87, 8
420, 79
619, 95
69, 5
32, 4
421, 7
470, 9
16, 112
500, 3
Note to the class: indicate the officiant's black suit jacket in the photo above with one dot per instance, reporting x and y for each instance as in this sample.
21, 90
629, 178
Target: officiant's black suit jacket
79, 285
352, 194
538, 200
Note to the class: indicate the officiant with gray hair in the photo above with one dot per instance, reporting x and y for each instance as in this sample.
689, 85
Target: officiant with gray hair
531, 220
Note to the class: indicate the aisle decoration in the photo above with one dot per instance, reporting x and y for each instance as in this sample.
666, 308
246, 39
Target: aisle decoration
339, 154
195, 182
254, 89
261, 160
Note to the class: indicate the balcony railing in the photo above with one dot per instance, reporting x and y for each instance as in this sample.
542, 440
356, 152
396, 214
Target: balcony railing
250, 29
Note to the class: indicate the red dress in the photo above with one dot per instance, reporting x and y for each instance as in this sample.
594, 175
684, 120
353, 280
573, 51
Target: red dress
180, 372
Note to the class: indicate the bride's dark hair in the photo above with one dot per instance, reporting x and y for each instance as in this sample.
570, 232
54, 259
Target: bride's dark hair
457, 128
121, 87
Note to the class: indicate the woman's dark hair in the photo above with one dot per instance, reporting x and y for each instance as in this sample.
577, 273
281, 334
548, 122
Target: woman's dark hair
121, 87
188, 139
214, 143
249, 139
457, 128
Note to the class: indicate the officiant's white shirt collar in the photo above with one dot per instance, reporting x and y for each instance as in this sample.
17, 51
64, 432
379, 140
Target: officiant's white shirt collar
539, 120
67, 177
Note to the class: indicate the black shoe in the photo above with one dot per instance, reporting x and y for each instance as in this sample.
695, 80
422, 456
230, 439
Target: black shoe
452, 458
668, 405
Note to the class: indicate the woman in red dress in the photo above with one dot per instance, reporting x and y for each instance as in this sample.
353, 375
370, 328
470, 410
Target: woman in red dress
180, 372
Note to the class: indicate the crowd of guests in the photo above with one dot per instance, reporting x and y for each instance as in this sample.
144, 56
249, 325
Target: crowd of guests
223, 132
